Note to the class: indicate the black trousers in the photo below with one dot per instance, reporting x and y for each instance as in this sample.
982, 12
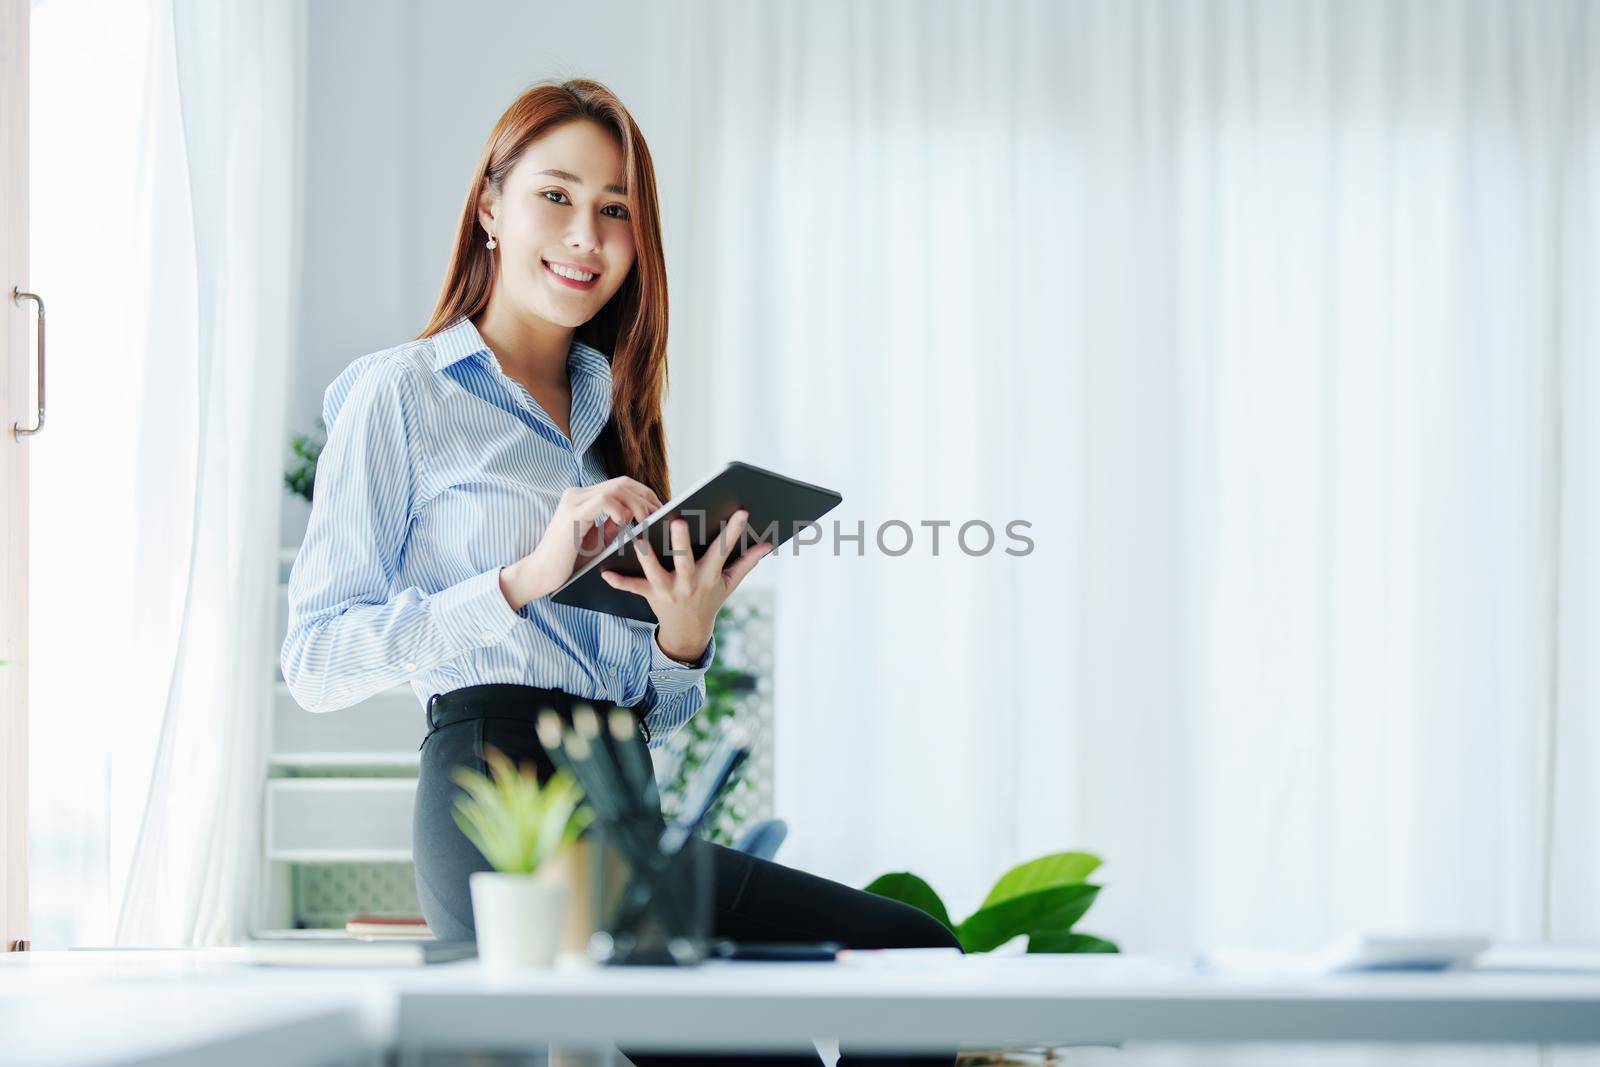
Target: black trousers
756, 900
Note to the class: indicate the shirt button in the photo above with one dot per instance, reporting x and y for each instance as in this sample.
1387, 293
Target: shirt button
487, 636
411, 666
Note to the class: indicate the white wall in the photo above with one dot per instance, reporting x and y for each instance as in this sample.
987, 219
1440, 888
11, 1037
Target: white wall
1298, 295
400, 99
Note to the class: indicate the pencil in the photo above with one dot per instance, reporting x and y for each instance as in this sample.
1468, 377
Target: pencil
581, 760
586, 722
635, 764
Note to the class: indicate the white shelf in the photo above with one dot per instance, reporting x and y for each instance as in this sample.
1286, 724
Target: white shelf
390, 722
315, 813
404, 760
353, 855
339, 820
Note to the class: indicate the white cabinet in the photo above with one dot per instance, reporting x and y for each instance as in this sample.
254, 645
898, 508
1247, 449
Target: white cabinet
337, 803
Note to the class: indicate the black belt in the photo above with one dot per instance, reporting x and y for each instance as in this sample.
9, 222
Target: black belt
508, 700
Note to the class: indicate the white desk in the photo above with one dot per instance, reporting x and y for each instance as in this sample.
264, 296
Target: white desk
177, 1009
986, 1001
132, 1007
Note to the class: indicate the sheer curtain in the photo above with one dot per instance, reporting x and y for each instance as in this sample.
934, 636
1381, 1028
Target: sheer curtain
1274, 321
104, 525
163, 170
198, 855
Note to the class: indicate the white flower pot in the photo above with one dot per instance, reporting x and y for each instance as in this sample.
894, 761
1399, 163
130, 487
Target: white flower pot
519, 919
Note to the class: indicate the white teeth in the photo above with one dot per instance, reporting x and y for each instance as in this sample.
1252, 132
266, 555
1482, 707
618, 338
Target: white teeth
568, 272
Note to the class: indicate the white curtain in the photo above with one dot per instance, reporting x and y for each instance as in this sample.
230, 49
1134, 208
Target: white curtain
1275, 322
196, 864
163, 213
113, 484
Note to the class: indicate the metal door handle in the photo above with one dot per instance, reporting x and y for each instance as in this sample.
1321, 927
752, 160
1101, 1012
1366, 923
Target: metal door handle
17, 429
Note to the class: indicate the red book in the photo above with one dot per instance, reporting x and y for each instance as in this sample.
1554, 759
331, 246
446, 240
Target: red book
381, 926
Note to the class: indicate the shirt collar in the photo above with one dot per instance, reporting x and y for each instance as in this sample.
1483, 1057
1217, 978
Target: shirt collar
588, 372
461, 339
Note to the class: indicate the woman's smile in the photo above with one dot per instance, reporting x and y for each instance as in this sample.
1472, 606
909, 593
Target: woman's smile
572, 276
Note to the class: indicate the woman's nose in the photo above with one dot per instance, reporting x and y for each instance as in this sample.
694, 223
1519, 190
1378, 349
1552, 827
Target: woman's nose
583, 236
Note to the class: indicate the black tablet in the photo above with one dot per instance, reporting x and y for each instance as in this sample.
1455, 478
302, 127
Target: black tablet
779, 506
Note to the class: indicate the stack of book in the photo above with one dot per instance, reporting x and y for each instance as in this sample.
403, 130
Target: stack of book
378, 927
365, 941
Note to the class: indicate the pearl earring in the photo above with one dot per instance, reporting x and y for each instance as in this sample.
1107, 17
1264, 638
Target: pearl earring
489, 244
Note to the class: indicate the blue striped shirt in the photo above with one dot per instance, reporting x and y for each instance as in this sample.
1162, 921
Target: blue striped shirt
438, 471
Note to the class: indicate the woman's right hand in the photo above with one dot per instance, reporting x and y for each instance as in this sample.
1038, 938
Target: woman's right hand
574, 536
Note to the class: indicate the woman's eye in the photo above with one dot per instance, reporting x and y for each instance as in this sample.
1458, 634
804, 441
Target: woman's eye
556, 196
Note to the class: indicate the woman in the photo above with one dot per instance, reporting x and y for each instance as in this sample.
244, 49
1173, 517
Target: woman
467, 471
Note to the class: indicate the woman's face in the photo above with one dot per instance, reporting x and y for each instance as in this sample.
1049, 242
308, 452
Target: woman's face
560, 211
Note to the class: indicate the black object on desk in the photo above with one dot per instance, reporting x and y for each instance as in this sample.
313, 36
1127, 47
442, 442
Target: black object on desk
789, 951
668, 895
656, 900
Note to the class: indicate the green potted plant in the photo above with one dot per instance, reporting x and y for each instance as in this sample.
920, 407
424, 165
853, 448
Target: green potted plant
1041, 900
301, 478
521, 828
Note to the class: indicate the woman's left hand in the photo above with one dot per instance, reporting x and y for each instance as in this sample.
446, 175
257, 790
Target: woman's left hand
686, 598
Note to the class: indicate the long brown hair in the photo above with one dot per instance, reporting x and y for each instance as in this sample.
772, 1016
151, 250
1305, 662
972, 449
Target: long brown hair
632, 327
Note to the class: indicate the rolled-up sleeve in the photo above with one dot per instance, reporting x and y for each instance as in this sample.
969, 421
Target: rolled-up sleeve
353, 631
675, 690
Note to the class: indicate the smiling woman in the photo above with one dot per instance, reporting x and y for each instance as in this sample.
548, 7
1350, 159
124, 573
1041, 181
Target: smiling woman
562, 251
558, 235
466, 471
551, 201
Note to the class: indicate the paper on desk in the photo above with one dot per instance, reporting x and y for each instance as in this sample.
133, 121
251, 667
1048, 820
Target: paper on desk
896, 957
1105, 967
1354, 955
1266, 963
1547, 958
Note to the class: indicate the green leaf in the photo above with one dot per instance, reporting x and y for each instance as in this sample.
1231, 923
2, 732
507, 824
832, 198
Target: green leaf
1058, 868
515, 822
1067, 941
909, 889
1055, 908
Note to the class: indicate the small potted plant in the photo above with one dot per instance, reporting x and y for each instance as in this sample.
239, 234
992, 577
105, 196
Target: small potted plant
520, 907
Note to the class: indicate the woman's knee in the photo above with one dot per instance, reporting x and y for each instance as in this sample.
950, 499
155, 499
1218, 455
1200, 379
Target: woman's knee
905, 926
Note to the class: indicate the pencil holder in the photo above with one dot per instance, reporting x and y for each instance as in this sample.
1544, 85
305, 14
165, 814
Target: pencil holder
655, 907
